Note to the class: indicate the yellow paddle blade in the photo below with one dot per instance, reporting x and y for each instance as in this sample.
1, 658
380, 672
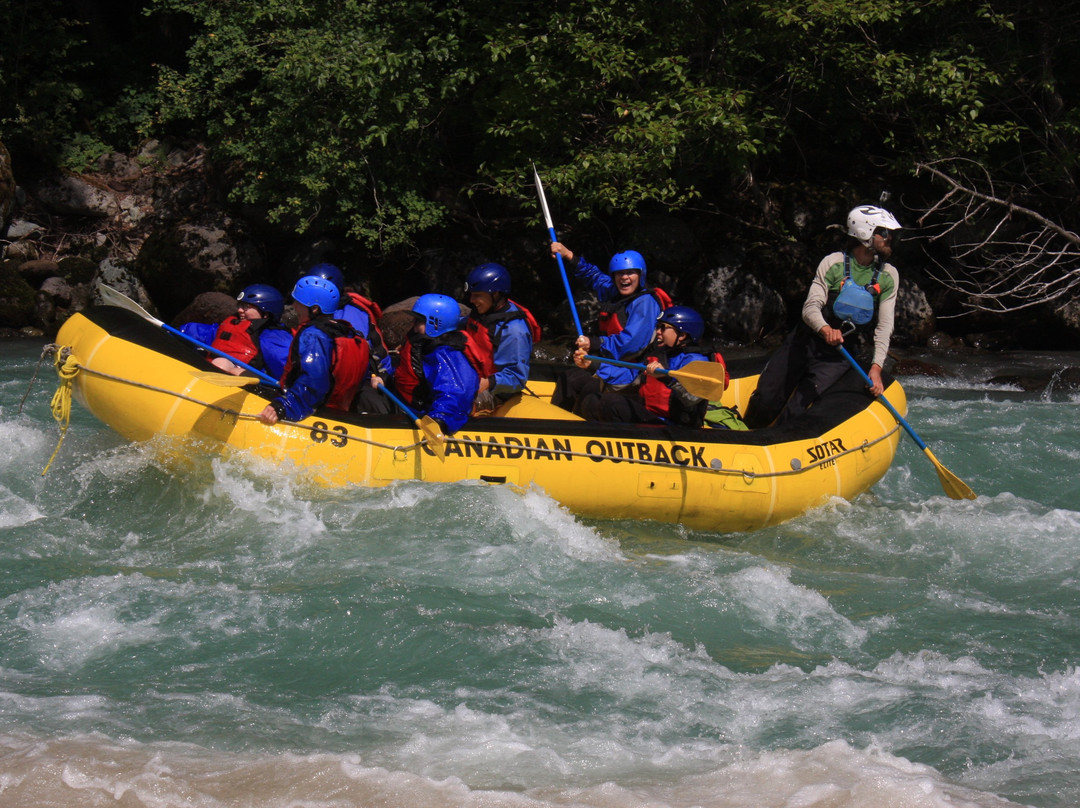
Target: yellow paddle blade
433, 432
701, 379
224, 379
955, 488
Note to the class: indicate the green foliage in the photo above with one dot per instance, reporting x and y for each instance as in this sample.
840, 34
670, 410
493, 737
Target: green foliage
619, 97
330, 114
364, 115
41, 57
386, 120
69, 92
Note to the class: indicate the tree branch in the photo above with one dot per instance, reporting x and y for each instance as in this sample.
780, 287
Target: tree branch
1005, 256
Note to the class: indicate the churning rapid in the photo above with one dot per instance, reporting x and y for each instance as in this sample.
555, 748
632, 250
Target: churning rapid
183, 630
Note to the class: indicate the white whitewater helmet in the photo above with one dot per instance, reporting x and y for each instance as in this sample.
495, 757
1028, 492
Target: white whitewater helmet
865, 219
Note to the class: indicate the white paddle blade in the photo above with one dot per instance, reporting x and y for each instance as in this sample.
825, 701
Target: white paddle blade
112, 297
543, 199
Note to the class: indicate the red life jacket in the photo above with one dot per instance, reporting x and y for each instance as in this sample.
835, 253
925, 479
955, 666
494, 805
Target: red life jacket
348, 366
240, 339
480, 341
374, 313
656, 392
407, 375
613, 312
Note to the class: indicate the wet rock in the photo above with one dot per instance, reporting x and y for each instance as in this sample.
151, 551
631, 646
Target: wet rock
74, 195
736, 305
21, 228
36, 271
915, 321
119, 276
1063, 380
54, 302
940, 340
123, 168
17, 298
208, 307
21, 251
992, 341
177, 263
917, 367
77, 269
7, 188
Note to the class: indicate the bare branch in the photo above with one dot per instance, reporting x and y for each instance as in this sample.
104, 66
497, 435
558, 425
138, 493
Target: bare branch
1005, 256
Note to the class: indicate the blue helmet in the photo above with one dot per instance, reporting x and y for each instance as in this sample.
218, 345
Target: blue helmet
630, 260
441, 314
264, 297
316, 291
488, 278
328, 272
683, 319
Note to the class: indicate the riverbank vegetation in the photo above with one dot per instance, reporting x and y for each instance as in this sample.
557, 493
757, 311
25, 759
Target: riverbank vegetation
394, 123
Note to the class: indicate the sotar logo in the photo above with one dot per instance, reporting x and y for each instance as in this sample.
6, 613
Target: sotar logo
827, 449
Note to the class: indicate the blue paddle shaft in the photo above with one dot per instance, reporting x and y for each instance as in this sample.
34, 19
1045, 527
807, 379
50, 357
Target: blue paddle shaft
262, 376
622, 364
551, 234
566, 286
914, 436
401, 404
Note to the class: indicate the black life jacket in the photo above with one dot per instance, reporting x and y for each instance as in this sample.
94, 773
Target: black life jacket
482, 336
409, 379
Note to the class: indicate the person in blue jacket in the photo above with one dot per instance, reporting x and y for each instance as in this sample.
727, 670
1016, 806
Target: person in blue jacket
501, 333
253, 336
433, 375
327, 358
363, 315
661, 398
627, 323
358, 311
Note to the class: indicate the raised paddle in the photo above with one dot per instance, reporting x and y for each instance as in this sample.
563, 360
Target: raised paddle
429, 426
702, 379
558, 257
954, 487
120, 300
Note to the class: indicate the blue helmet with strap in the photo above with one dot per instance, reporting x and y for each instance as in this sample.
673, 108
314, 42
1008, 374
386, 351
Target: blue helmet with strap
685, 320
315, 291
488, 278
628, 261
441, 314
264, 297
328, 272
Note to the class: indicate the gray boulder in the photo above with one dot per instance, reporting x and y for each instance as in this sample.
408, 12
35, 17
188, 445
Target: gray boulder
74, 195
738, 306
7, 188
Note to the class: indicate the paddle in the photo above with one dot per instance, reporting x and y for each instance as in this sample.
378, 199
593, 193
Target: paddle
429, 426
551, 234
953, 485
119, 299
225, 379
700, 378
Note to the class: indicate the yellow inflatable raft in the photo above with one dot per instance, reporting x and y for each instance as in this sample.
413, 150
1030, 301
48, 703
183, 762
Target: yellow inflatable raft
142, 381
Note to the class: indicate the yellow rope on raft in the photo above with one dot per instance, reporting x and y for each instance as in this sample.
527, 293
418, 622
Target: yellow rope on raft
66, 368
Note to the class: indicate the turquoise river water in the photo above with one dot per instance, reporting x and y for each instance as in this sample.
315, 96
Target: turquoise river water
215, 633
